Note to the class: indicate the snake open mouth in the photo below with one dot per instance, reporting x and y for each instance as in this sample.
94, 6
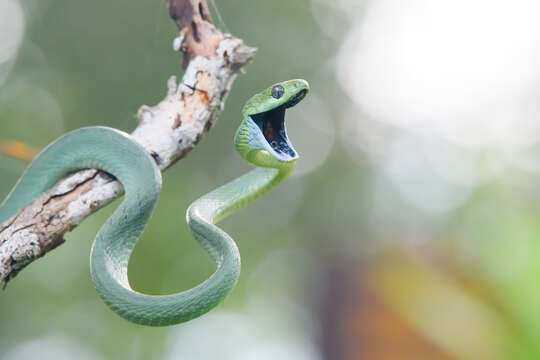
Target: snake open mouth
272, 125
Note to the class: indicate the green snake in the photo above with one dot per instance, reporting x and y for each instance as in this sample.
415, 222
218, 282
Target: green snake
261, 139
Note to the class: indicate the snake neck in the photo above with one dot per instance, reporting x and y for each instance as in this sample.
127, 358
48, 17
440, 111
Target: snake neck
218, 204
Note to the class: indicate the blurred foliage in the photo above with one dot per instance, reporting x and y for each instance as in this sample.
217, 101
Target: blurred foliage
96, 63
466, 283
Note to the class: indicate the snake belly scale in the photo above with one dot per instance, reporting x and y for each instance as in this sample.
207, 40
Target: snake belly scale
261, 139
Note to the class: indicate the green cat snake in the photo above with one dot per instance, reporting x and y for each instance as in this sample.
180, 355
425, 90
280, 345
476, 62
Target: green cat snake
261, 139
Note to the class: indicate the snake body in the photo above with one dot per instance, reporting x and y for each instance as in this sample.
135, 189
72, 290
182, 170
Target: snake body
260, 139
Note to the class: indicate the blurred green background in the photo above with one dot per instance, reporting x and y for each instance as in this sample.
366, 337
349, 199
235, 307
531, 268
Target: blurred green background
409, 229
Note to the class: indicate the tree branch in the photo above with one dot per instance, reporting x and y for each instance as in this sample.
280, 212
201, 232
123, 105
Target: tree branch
168, 131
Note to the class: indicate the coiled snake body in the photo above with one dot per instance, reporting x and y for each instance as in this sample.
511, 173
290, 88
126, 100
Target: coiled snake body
261, 139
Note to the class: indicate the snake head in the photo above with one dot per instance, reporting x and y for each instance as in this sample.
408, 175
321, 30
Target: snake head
262, 137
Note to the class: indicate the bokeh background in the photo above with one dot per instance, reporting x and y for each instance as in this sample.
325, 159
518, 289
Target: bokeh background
410, 228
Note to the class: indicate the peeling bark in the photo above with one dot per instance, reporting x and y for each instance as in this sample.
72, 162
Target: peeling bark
168, 131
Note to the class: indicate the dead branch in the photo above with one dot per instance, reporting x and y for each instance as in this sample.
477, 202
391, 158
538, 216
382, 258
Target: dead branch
168, 131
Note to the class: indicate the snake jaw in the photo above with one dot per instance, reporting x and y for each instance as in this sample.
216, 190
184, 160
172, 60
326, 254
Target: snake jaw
296, 98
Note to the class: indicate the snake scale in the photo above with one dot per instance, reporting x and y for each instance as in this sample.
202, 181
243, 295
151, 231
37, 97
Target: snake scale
261, 139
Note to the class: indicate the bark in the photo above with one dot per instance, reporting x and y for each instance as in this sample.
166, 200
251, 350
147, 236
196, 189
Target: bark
168, 131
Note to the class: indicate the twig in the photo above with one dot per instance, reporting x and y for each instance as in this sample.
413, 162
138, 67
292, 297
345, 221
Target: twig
168, 131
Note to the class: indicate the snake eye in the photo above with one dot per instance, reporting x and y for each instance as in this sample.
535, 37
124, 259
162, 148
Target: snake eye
277, 91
